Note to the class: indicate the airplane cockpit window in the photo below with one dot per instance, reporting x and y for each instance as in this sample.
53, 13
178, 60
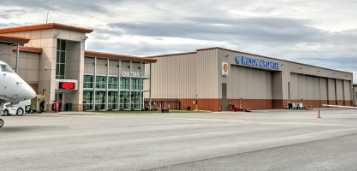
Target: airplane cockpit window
6, 68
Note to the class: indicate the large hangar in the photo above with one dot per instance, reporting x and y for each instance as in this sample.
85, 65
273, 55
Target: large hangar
216, 79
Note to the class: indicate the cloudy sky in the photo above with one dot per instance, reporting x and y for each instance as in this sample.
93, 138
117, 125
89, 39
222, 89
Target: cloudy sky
321, 32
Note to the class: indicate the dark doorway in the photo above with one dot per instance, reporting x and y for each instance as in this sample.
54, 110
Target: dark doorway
59, 100
224, 101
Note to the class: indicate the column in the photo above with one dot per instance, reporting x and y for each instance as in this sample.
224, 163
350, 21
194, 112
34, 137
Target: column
130, 82
95, 84
107, 87
119, 81
142, 90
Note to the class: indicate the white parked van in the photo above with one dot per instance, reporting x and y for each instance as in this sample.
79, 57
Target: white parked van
18, 109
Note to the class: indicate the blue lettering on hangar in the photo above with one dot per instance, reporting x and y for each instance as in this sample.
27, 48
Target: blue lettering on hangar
257, 63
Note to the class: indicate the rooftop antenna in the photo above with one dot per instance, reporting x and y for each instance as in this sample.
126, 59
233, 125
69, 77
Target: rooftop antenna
48, 12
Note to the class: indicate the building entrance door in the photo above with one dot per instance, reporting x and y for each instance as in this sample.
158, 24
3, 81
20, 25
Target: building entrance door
224, 101
59, 100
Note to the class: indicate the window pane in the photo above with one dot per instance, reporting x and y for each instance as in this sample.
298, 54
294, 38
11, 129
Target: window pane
100, 100
63, 45
124, 84
88, 81
62, 57
58, 57
101, 82
62, 69
113, 83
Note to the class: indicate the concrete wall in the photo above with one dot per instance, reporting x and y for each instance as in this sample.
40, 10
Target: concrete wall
47, 40
114, 68
89, 66
28, 64
101, 67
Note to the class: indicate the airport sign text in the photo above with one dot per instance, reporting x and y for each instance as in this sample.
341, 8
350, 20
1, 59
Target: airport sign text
257, 63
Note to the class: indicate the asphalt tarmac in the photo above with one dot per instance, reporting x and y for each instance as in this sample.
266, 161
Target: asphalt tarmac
262, 140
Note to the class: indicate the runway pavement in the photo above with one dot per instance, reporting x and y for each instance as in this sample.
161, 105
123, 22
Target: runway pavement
262, 140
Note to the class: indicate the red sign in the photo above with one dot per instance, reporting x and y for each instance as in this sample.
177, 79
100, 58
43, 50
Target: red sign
67, 86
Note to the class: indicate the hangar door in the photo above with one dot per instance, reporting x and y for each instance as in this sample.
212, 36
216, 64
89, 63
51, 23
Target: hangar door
252, 86
304, 87
319, 90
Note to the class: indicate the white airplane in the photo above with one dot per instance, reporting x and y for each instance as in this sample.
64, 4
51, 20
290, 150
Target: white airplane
13, 89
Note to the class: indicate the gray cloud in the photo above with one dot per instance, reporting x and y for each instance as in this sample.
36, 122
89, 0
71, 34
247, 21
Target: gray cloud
66, 5
251, 29
316, 32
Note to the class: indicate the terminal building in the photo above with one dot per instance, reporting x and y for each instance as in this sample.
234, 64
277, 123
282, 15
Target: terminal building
216, 79
52, 58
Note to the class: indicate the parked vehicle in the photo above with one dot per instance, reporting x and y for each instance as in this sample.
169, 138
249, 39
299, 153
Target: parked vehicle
19, 109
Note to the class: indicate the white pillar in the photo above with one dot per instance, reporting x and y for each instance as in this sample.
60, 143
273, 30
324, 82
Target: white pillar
119, 83
94, 83
107, 87
150, 90
130, 82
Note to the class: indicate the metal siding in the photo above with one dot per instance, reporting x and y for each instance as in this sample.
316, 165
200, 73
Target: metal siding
207, 74
331, 89
323, 88
347, 85
307, 87
339, 88
249, 83
174, 77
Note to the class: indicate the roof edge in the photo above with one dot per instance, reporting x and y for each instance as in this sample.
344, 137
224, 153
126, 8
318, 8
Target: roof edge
273, 58
29, 50
171, 54
14, 39
45, 27
94, 54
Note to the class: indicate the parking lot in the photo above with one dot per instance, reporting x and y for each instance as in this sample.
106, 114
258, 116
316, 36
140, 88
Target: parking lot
176, 141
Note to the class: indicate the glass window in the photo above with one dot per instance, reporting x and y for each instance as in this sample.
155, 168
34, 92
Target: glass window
6, 68
112, 100
136, 100
88, 81
100, 100
124, 83
60, 59
124, 100
141, 84
88, 100
137, 84
113, 83
101, 82
134, 84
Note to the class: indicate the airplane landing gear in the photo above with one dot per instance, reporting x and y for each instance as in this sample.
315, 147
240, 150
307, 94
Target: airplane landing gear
2, 123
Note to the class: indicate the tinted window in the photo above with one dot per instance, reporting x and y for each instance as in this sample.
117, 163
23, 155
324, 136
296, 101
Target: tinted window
6, 68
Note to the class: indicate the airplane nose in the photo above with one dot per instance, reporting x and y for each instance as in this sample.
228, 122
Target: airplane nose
30, 93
